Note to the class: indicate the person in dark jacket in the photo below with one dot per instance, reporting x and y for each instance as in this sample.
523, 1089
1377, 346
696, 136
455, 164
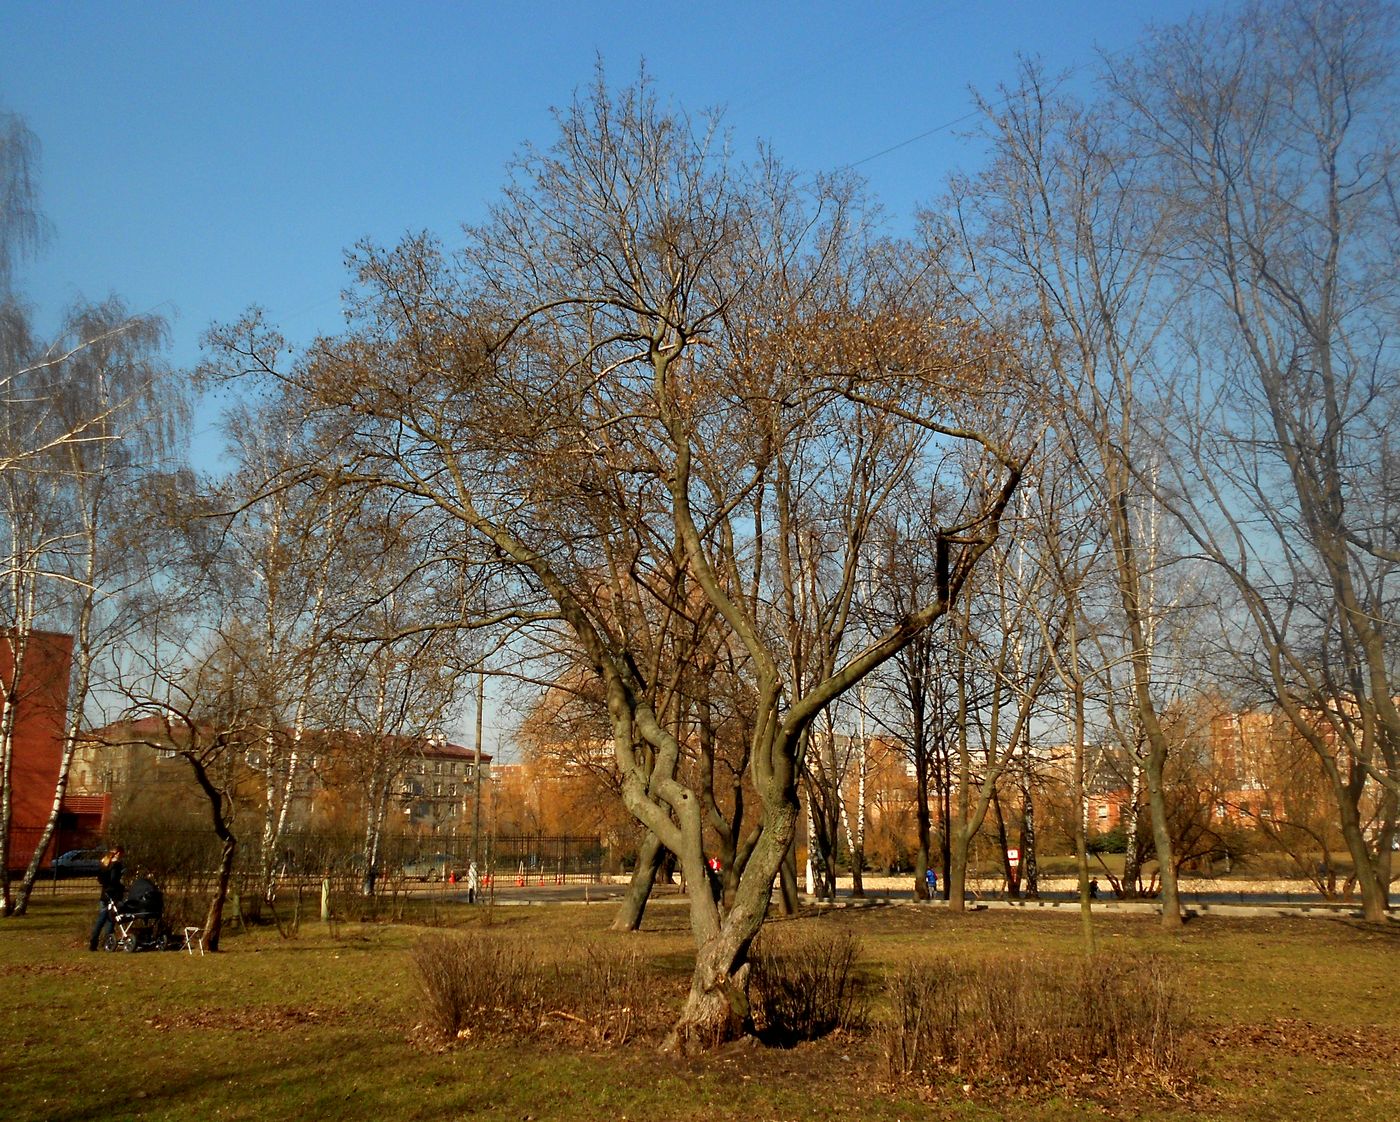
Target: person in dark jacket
109, 879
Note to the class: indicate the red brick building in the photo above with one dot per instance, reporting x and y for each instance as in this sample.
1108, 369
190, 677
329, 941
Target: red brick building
40, 698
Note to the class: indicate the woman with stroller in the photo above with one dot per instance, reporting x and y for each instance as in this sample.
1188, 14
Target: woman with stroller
109, 879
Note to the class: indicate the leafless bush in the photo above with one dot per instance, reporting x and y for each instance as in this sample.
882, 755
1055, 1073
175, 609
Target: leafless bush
803, 984
1032, 1021
608, 995
474, 982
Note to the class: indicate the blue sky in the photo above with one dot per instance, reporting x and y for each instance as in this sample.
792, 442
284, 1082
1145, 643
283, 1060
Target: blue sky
198, 158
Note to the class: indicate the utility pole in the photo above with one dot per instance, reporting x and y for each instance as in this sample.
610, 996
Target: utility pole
476, 767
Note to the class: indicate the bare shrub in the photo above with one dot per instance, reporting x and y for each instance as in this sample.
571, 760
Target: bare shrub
478, 982
803, 984
922, 1032
609, 996
1032, 1021
475, 982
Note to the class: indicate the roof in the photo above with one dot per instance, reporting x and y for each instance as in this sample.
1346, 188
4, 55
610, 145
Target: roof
152, 728
446, 750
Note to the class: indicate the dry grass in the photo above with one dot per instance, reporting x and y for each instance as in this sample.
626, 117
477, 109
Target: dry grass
475, 982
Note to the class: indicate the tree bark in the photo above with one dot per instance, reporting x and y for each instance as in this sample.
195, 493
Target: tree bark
214, 916
650, 854
789, 899
1030, 864
717, 1005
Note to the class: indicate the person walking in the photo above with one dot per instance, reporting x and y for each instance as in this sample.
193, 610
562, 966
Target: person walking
471, 883
931, 878
109, 879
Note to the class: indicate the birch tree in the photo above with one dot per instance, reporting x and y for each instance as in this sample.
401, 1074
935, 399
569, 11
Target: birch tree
291, 546
89, 493
84, 418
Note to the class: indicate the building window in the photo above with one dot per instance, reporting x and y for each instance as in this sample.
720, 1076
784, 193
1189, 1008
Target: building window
452, 790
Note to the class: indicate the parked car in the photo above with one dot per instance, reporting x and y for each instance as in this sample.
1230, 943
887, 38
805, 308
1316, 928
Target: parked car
434, 867
78, 863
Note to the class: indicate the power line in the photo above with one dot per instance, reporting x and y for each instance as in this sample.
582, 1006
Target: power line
915, 139
1065, 75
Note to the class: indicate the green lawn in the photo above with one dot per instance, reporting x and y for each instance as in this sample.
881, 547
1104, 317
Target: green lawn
1296, 1019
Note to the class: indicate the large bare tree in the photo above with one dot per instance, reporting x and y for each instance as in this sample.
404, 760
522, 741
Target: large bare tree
1270, 136
85, 500
1060, 231
613, 377
85, 419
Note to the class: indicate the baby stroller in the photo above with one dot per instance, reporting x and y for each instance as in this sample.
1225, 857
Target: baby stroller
137, 920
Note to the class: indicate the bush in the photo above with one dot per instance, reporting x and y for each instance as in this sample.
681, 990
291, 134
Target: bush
609, 996
802, 985
475, 982
1014, 1020
1110, 841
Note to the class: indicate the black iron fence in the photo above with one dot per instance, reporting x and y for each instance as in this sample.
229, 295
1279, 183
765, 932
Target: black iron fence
182, 854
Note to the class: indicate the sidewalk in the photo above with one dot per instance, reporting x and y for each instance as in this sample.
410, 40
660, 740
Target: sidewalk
1199, 896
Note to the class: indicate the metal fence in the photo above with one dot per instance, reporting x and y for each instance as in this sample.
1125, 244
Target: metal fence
311, 854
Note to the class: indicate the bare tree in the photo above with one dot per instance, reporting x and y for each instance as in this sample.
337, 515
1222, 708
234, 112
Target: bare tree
21, 223
1061, 230
1271, 132
608, 377
1001, 667
912, 692
395, 694
292, 549
79, 427
112, 383
183, 690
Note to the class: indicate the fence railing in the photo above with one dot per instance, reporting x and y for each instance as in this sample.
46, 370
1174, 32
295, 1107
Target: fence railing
320, 853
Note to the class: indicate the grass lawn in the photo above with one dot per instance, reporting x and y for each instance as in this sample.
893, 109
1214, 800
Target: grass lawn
1296, 1019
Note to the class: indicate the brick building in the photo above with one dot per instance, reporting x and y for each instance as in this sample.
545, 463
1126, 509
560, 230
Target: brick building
40, 701
432, 781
